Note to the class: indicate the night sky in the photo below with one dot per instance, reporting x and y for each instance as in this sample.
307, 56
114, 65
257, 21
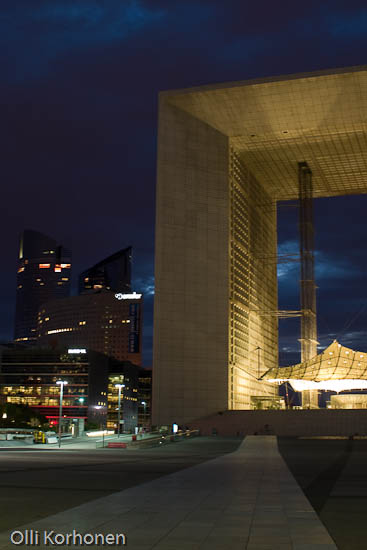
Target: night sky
78, 93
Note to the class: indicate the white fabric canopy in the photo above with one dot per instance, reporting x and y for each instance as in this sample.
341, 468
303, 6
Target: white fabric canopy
337, 368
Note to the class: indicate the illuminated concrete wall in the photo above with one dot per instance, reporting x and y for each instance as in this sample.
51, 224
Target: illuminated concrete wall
192, 279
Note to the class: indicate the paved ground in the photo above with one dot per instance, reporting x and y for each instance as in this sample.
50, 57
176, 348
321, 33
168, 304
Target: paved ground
333, 475
43, 483
36, 483
246, 499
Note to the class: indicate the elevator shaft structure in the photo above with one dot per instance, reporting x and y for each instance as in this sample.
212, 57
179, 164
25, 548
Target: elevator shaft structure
307, 282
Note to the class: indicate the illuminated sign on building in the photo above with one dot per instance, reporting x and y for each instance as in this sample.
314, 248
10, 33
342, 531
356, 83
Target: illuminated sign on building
134, 313
133, 296
77, 350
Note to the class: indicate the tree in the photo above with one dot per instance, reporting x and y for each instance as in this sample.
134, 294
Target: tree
20, 416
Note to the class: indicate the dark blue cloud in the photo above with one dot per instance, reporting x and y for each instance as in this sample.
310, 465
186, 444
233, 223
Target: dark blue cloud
35, 35
79, 85
348, 25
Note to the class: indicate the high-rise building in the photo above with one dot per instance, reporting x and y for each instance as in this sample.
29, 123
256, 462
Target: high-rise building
43, 274
104, 321
112, 273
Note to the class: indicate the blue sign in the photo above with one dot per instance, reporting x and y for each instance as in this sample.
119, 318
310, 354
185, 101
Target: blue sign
134, 314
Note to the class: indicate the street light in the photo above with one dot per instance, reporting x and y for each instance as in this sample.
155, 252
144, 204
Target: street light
119, 386
98, 408
144, 403
61, 383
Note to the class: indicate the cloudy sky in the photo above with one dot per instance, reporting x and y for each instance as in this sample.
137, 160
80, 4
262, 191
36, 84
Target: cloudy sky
78, 93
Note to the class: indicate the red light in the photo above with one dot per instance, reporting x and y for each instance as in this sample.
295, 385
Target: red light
44, 266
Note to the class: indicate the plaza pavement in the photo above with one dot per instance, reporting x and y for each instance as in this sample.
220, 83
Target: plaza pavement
247, 499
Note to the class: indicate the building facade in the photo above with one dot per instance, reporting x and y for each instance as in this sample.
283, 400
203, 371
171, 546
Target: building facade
124, 374
145, 398
226, 154
106, 322
43, 274
28, 376
112, 273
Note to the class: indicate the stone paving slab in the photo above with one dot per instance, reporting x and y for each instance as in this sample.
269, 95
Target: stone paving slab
247, 499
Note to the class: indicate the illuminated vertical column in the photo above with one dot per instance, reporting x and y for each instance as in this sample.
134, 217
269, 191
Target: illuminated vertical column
307, 282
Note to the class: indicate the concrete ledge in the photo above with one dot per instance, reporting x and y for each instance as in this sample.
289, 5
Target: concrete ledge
290, 423
247, 499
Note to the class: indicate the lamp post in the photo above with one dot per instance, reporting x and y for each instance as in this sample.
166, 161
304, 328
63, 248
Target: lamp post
119, 386
101, 424
61, 383
144, 403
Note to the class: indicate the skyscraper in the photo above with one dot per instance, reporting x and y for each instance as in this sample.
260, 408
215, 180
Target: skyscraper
112, 273
43, 274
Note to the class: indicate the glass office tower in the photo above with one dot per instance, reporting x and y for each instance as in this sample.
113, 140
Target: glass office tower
43, 274
112, 273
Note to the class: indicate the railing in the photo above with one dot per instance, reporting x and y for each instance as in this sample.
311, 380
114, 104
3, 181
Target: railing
124, 438
152, 439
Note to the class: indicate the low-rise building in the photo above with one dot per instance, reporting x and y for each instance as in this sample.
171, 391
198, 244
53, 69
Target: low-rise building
30, 376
